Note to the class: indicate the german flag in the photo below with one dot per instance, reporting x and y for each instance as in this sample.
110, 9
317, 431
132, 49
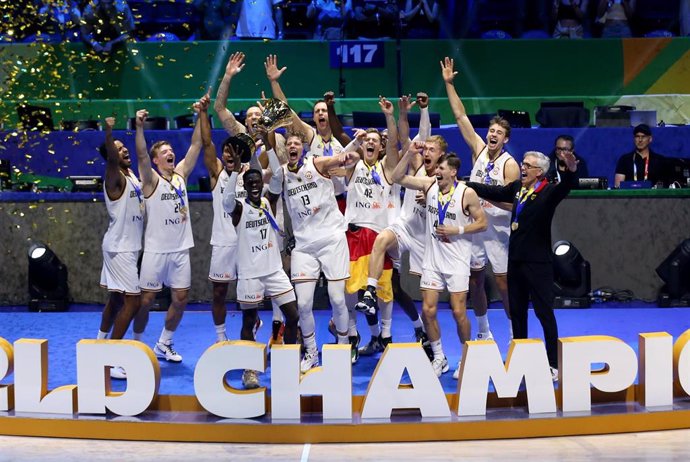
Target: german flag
360, 243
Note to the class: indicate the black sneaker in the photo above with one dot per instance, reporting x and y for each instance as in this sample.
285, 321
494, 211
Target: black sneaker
368, 304
354, 344
385, 341
424, 340
374, 346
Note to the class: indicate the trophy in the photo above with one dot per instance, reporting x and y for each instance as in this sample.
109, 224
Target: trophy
276, 114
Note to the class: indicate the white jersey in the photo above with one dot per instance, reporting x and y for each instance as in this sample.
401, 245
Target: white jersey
413, 214
484, 172
332, 147
126, 214
447, 254
222, 232
310, 200
169, 225
368, 197
257, 244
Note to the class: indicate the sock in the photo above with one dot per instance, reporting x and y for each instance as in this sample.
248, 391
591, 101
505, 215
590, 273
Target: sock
437, 349
418, 324
386, 328
343, 339
138, 336
483, 323
372, 282
352, 326
101, 335
166, 336
220, 333
310, 342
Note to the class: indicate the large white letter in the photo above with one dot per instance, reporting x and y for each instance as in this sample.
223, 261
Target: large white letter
333, 381
681, 357
656, 369
31, 381
385, 392
213, 392
482, 361
6, 367
576, 357
94, 358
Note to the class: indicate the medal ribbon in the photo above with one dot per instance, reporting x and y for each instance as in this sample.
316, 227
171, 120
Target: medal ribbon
646, 168
526, 194
271, 220
137, 189
444, 202
327, 149
177, 190
374, 173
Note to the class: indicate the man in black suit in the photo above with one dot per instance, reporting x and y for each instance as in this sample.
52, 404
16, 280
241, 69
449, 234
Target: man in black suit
530, 266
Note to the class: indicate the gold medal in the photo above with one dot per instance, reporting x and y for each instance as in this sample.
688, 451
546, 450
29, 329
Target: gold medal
183, 210
514, 226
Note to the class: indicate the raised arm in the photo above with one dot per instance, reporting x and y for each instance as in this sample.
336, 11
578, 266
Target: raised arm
334, 121
392, 157
424, 118
234, 67
404, 106
473, 141
231, 205
185, 167
149, 178
114, 181
213, 164
273, 74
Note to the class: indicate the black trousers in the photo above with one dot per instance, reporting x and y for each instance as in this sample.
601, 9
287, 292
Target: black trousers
533, 280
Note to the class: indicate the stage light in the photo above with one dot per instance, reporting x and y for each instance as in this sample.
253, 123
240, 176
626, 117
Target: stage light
572, 277
675, 272
48, 289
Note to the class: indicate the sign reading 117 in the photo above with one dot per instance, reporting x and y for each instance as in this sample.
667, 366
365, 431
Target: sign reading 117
357, 54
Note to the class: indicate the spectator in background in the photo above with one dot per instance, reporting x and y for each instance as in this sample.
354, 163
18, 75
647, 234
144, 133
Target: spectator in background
329, 17
642, 164
59, 20
261, 19
615, 15
106, 23
570, 18
420, 19
565, 144
374, 19
218, 19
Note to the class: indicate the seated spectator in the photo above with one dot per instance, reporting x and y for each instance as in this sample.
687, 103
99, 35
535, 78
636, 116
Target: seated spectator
261, 19
565, 144
59, 21
420, 19
373, 19
570, 18
615, 15
642, 164
218, 19
329, 17
106, 23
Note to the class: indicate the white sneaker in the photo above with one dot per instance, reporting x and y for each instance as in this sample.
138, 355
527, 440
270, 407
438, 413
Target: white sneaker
250, 379
554, 374
485, 336
116, 372
456, 374
440, 366
167, 352
311, 359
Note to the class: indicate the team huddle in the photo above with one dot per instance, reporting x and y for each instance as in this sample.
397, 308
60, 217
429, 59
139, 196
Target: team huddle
354, 206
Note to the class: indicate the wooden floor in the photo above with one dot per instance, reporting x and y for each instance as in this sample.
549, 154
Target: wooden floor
673, 445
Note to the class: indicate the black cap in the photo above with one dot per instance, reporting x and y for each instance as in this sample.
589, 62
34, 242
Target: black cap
642, 128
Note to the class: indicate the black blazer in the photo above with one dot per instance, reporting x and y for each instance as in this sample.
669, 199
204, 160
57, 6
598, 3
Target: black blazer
531, 241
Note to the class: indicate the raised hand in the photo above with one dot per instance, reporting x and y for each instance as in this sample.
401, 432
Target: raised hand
140, 118
386, 106
447, 70
109, 123
272, 71
235, 64
405, 103
329, 98
569, 159
360, 134
422, 100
